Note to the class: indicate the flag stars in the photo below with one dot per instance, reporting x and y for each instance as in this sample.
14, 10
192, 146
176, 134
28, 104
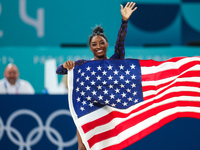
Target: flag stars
82, 93
117, 90
104, 82
127, 72
82, 83
116, 82
77, 89
93, 73
94, 92
127, 81
110, 67
111, 86
91, 105
113, 105
107, 102
87, 88
115, 72
82, 74
135, 93
84, 103
78, 99
123, 95
88, 68
133, 76
89, 98
128, 90
92, 83
132, 66
99, 87
121, 67
110, 78
98, 78
77, 80
104, 72
105, 92
118, 100
130, 99
95, 101
125, 104
99, 67
133, 85
87, 78
100, 97
82, 108
121, 77
112, 96
79, 71
122, 86
136, 100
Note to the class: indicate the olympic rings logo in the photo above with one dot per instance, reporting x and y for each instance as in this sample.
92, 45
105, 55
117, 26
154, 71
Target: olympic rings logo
35, 135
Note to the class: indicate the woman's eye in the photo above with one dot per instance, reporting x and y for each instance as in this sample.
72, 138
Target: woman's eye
93, 44
102, 43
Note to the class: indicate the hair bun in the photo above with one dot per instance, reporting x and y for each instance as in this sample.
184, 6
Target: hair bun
97, 30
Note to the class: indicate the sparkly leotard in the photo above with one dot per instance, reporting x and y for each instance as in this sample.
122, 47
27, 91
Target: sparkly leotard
119, 49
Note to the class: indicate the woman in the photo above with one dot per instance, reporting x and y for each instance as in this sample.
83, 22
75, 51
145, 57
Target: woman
98, 45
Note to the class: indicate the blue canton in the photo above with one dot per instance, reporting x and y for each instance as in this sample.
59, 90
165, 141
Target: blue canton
116, 83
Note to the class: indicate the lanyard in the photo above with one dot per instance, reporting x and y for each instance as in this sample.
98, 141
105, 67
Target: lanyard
16, 87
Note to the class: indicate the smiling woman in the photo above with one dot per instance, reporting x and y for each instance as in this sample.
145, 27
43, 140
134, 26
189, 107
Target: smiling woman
98, 45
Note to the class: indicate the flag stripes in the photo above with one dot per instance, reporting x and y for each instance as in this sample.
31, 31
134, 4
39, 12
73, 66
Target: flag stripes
171, 89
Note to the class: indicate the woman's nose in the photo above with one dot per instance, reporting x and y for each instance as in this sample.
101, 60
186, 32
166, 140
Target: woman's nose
98, 45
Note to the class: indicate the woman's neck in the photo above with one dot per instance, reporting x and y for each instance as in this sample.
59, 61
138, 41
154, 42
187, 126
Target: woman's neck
100, 58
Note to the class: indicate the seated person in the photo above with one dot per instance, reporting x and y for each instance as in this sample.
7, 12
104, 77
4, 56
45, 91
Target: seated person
11, 84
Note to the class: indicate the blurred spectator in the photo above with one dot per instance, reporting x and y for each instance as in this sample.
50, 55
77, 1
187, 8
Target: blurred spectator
11, 84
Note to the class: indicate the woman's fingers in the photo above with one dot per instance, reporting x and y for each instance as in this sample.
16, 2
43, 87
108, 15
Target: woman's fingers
133, 4
69, 65
134, 9
127, 4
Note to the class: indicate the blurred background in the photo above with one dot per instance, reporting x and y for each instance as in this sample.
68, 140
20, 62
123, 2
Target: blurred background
34, 31
38, 35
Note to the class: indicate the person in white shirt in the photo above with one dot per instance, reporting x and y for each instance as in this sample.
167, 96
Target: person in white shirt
12, 84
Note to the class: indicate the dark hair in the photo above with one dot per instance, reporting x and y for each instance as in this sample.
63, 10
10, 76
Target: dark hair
97, 31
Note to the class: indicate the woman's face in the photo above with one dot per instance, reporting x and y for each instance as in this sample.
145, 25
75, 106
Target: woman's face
98, 46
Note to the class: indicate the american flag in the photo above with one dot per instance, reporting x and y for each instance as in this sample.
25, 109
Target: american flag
115, 103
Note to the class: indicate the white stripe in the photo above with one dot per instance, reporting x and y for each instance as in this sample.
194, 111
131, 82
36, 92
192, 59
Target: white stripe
168, 65
142, 125
113, 123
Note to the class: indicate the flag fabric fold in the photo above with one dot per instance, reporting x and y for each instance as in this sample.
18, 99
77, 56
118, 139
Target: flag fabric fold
115, 103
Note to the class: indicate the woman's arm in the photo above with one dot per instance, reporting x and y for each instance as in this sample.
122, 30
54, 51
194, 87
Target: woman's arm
68, 65
119, 45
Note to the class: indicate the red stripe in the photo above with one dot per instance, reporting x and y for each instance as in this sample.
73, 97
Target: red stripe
151, 129
168, 73
137, 119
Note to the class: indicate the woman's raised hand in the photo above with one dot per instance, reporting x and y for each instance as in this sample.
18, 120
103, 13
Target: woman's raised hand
69, 64
127, 10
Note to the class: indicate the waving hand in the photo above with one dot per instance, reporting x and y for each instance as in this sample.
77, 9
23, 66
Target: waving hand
127, 10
